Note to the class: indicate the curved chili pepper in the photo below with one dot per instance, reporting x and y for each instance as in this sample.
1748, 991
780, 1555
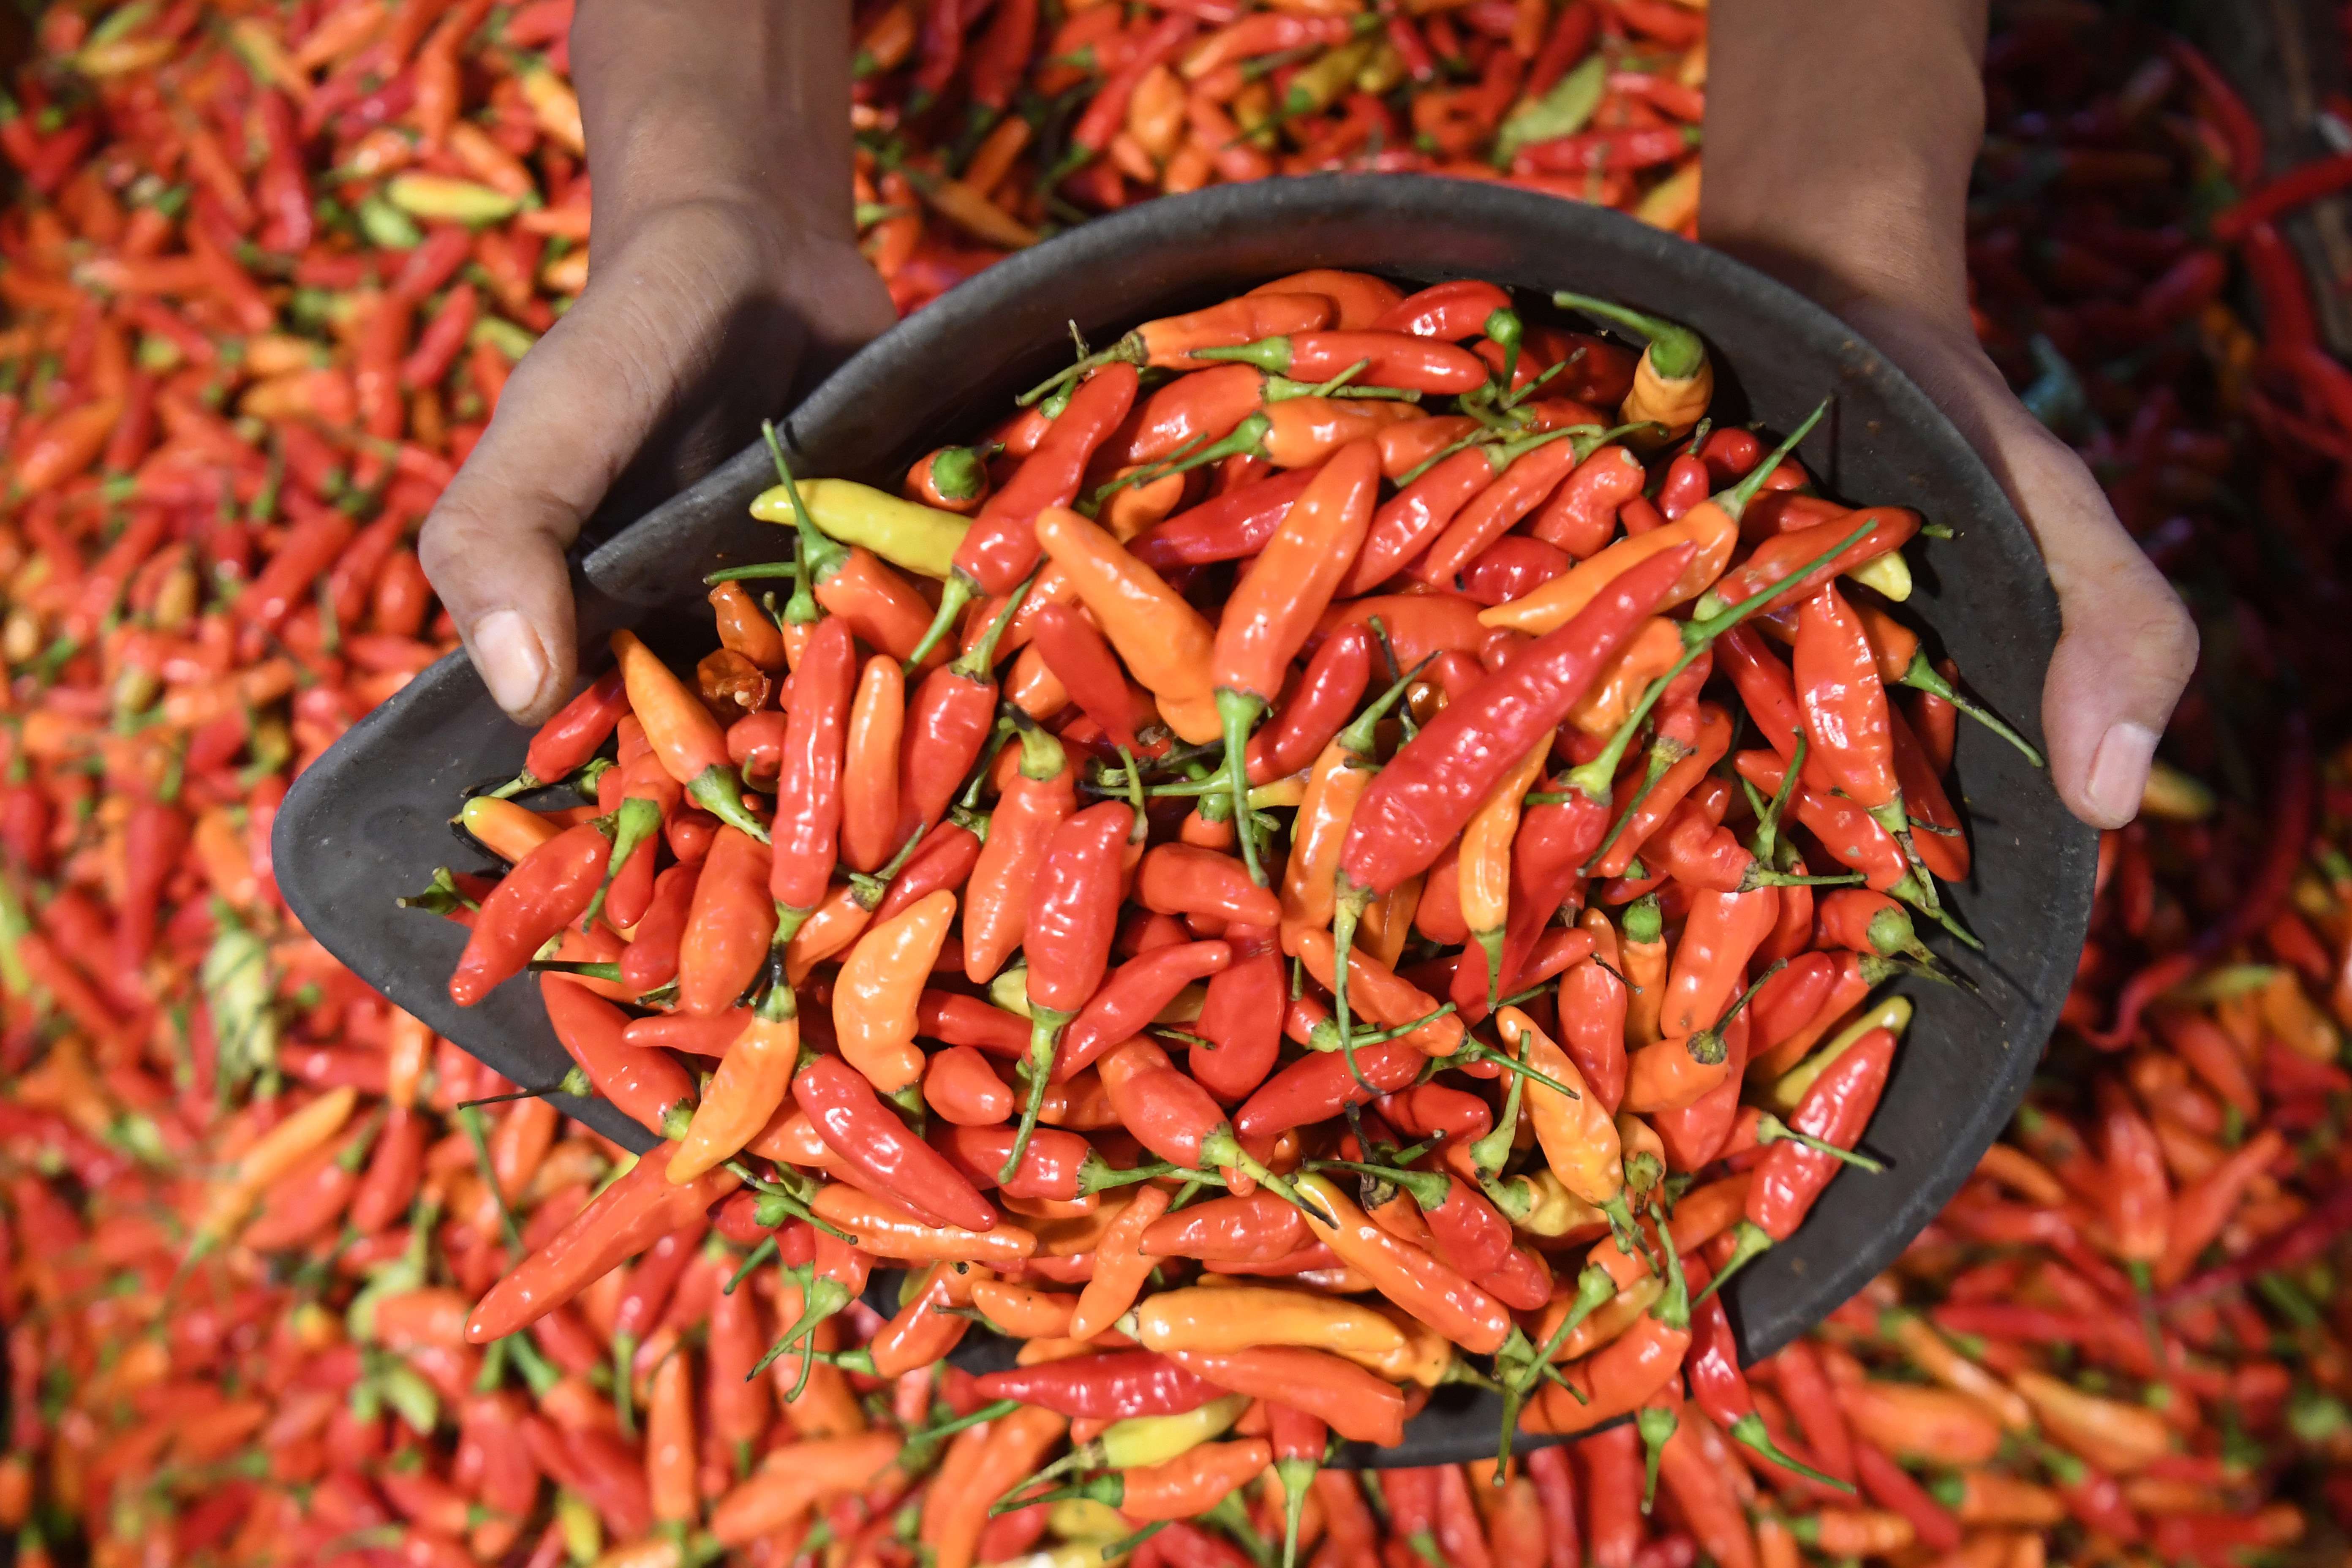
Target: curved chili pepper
1835, 1111
1425, 1288
1035, 802
1451, 310
1001, 548
752, 1081
1415, 361
1429, 790
1191, 1484
1240, 1018
1084, 663
618, 1223
1131, 997
1581, 516
548, 891
1845, 710
948, 721
684, 735
647, 1084
941, 860
1185, 879
877, 994
1233, 526
1163, 640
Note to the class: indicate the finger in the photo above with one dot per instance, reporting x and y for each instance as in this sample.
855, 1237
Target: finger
576, 411
2127, 646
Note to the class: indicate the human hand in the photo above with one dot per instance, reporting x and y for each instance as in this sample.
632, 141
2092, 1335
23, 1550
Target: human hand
719, 279
1857, 197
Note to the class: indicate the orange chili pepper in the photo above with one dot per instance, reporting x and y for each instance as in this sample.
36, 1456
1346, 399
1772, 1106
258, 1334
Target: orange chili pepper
684, 735
881, 983
1120, 1265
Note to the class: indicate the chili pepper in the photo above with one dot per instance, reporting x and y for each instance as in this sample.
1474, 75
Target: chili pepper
1845, 711
620, 1222
1073, 911
1190, 1484
689, 742
1117, 1385
1083, 662
876, 997
545, 892
645, 1084
1241, 1017
1414, 1280
1001, 548
1835, 1110
790, 1479
1430, 789
729, 927
1720, 1388
941, 859
1228, 527
2136, 1191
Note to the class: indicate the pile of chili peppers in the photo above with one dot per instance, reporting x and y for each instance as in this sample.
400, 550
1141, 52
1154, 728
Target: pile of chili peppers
246, 1217
983, 127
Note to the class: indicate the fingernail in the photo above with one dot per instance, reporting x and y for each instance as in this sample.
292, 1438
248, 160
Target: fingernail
2119, 773
513, 664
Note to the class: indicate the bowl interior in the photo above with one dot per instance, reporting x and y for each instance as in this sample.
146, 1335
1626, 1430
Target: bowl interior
367, 821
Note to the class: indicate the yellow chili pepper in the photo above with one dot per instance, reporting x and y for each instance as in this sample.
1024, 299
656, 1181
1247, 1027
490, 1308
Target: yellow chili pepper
903, 532
455, 201
1156, 1439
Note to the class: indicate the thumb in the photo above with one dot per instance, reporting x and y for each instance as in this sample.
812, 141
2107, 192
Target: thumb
2128, 645
573, 412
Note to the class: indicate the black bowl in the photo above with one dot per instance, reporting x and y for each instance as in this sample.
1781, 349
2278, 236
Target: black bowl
368, 820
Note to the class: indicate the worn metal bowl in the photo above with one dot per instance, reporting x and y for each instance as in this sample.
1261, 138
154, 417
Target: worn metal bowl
368, 820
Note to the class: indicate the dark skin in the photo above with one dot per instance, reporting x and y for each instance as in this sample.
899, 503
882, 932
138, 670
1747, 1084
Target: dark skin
727, 277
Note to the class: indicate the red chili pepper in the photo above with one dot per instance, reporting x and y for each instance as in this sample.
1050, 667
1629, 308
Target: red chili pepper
1073, 915
1229, 527
948, 722
999, 549
1116, 1386
1241, 1017
808, 783
1430, 787
1835, 1110
548, 891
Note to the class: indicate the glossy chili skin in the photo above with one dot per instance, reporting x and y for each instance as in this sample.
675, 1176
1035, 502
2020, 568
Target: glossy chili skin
949, 718
569, 738
547, 891
1259, 1228
1168, 1112
1230, 527
1057, 1165
1429, 790
962, 1020
808, 783
855, 1125
1318, 1087
1843, 828
1776, 560
1132, 998
1581, 518
643, 1083
1450, 310
1001, 548
1074, 912
1079, 657
1845, 708
1116, 1386
943, 859
1325, 698
1836, 1110
651, 957
1242, 1016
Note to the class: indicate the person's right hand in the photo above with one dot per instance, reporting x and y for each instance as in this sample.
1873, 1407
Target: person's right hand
724, 268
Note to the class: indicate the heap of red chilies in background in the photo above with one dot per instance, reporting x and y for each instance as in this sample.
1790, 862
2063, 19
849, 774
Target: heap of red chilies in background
225, 1408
